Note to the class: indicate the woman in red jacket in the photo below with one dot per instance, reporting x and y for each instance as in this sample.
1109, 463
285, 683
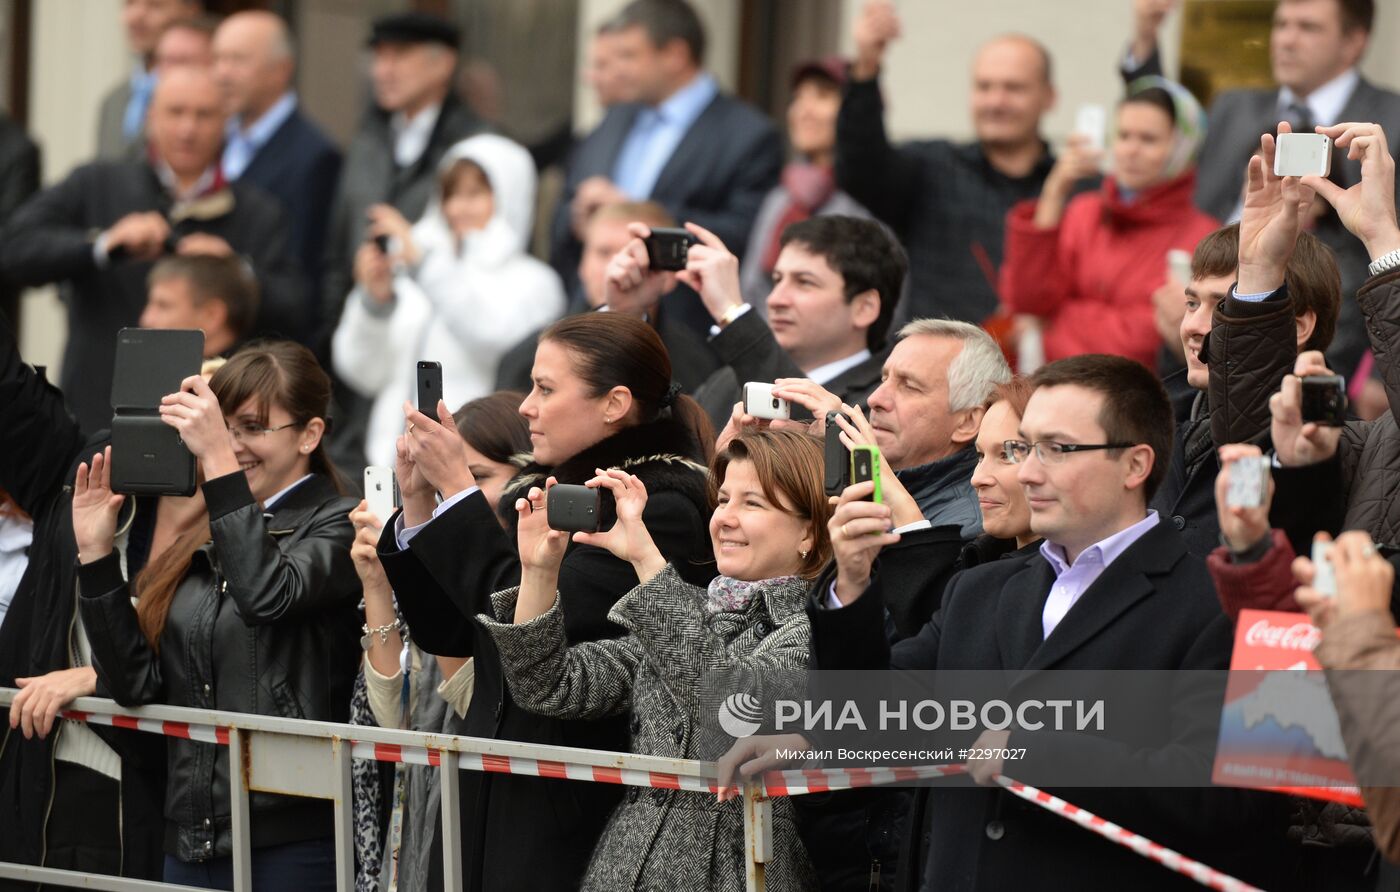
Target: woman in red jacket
1088, 266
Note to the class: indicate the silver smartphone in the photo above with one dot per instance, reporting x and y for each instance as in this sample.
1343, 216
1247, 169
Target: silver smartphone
1303, 154
760, 402
1249, 482
1324, 577
379, 491
1091, 121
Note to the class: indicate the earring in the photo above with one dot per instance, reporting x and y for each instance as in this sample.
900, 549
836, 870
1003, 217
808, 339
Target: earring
803, 553
607, 421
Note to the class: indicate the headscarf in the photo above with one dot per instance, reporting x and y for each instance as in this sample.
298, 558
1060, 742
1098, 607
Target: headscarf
1189, 130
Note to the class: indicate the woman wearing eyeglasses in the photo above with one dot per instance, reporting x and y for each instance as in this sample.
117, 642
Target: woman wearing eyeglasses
250, 609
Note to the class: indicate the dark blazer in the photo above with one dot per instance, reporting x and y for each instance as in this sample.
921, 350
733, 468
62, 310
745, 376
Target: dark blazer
1153, 608
1237, 119
19, 179
717, 176
750, 353
112, 144
50, 239
299, 166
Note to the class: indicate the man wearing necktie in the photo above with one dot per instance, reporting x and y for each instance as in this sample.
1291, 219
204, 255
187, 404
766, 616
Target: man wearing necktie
1314, 49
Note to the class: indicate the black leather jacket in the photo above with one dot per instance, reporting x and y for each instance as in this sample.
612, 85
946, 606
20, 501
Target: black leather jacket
264, 621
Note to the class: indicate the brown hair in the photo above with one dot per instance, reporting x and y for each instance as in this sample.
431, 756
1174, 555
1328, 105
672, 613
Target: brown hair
609, 350
266, 373
1135, 405
452, 177
10, 508
1314, 282
1017, 392
225, 279
1355, 14
790, 466
493, 426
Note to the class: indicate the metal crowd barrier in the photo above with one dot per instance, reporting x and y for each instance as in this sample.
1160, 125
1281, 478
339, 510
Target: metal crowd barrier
298, 757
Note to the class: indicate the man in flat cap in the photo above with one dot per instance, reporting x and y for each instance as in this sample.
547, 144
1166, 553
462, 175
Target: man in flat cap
394, 156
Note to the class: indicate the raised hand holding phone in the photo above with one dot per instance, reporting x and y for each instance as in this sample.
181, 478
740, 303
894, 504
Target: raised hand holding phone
1243, 508
195, 412
628, 539
1297, 441
1367, 209
1274, 209
438, 450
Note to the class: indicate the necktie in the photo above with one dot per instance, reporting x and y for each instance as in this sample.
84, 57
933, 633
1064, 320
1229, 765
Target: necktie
1300, 116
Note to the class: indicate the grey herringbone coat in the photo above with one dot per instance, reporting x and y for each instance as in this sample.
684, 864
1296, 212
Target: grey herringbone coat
666, 839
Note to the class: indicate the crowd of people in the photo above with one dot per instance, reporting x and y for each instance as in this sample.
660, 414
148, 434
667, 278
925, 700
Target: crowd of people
1057, 411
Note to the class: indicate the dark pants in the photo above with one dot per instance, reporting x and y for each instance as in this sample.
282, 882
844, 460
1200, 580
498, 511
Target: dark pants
294, 867
84, 829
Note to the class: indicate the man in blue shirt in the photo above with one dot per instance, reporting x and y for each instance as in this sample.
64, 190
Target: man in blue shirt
704, 156
122, 116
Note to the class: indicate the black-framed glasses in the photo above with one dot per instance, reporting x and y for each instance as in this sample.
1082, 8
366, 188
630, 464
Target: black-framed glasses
243, 431
1050, 452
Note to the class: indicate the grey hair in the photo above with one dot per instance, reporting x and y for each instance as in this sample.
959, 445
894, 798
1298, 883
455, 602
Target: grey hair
977, 369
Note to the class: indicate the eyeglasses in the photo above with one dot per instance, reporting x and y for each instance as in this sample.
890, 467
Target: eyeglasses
247, 430
1049, 452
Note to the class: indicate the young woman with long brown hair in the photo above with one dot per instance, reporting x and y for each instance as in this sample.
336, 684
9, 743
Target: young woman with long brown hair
252, 610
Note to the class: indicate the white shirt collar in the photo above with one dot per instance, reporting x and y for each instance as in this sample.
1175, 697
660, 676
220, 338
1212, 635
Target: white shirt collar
269, 504
260, 131
824, 373
1103, 552
411, 136
1328, 101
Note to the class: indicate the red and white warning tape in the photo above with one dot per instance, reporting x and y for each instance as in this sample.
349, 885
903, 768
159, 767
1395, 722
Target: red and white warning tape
793, 782
1172, 860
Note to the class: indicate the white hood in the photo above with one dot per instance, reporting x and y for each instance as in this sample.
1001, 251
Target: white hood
511, 173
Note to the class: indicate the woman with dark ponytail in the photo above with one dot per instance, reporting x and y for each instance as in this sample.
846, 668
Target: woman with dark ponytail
253, 609
602, 398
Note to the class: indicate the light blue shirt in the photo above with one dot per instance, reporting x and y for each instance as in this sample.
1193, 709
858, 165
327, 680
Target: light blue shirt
143, 85
655, 135
1072, 580
240, 145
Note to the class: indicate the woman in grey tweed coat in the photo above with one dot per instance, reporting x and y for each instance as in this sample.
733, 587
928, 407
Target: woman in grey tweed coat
769, 536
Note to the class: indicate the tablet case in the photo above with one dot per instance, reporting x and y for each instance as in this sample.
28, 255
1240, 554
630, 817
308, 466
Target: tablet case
148, 456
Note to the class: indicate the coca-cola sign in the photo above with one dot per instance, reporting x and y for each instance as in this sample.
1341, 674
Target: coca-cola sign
1297, 636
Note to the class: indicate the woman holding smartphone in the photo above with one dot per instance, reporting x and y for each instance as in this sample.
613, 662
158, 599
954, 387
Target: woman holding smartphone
768, 532
251, 611
602, 398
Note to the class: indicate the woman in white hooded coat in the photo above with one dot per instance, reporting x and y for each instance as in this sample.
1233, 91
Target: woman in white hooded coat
457, 287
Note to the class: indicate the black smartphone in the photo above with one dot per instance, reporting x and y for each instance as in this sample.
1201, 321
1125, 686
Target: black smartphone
667, 249
574, 509
148, 456
429, 387
1325, 400
838, 458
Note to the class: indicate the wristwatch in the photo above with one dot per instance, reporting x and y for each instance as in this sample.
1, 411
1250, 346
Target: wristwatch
731, 314
1386, 262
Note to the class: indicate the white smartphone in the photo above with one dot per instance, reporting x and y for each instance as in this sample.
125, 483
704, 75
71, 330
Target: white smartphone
1249, 482
1092, 121
1179, 266
379, 491
760, 402
1324, 577
1301, 154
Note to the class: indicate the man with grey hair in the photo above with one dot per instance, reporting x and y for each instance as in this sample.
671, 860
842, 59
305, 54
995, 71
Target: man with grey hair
926, 413
268, 141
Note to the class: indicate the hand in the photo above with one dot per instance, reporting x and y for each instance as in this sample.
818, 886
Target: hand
859, 529
203, 244
1079, 161
438, 450
541, 548
986, 771
95, 508
1367, 209
713, 272
628, 539
629, 283
809, 395
876, 26
364, 551
1148, 16
195, 412
856, 431
374, 273
1365, 580
592, 194
1274, 211
385, 219
41, 699
415, 492
739, 421
142, 235
754, 755
1296, 443
1242, 528
1168, 309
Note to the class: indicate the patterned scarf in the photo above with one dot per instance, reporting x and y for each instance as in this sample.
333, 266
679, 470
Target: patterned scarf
730, 595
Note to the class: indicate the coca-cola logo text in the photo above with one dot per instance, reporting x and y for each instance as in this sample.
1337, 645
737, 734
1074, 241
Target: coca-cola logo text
1299, 636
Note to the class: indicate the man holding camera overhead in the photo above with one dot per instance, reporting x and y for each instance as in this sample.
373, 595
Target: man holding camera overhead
102, 228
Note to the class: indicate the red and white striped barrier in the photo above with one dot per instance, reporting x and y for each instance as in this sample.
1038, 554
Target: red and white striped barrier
1172, 860
794, 782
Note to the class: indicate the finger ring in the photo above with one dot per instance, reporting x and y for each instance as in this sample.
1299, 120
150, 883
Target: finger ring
1368, 550
410, 427
843, 531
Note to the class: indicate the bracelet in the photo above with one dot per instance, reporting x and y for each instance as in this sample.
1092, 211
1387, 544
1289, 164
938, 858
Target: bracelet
367, 639
1385, 262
